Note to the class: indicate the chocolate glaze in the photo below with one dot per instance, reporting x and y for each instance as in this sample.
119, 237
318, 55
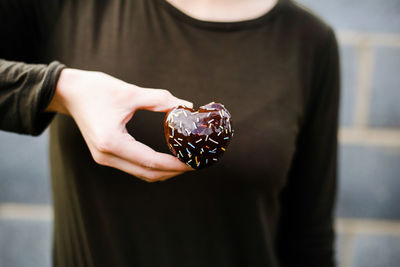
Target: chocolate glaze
198, 138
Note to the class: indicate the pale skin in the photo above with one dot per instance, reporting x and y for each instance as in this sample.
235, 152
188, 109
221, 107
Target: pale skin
101, 105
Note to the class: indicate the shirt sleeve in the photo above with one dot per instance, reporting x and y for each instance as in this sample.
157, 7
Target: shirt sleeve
305, 234
25, 92
26, 89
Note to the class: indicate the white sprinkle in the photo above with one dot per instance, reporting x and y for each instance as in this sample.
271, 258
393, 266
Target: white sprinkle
194, 125
229, 125
180, 153
222, 112
219, 111
214, 141
206, 137
219, 133
180, 124
175, 145
189, 161
185, 113
177, 142
198, 140
210, 121
198, 119
215, 159
180, 139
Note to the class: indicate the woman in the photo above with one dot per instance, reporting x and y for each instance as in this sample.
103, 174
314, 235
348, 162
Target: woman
273, 64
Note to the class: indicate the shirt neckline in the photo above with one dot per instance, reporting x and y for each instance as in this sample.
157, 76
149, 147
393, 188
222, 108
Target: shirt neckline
224, 26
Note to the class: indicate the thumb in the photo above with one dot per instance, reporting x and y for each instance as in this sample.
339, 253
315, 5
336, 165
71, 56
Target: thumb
159, 100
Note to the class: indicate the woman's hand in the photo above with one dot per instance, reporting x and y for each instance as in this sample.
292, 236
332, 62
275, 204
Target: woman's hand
101, 105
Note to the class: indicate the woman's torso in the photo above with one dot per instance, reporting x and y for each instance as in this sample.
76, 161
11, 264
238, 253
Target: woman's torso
221, 216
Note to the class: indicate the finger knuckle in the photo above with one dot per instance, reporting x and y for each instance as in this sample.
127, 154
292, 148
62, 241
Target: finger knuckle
149, 177
100, 158
149, 162
105, 144
152, 176
163, 95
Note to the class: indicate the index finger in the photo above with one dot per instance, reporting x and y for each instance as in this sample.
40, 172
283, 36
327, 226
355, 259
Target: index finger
138, 153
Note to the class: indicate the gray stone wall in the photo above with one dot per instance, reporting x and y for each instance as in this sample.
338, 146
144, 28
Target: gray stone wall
368, 211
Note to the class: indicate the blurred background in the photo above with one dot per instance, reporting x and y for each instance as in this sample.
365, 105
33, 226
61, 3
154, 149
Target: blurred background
368, 208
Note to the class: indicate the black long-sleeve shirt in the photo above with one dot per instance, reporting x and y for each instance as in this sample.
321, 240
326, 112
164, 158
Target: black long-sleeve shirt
268, 202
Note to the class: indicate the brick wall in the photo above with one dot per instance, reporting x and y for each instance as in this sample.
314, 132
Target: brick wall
368, 214
25, 199
368, 211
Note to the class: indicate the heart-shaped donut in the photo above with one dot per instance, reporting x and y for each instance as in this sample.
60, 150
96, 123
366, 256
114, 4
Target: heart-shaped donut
198, 138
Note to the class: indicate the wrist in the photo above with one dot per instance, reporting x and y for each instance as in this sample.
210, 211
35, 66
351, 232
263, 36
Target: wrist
59, 101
